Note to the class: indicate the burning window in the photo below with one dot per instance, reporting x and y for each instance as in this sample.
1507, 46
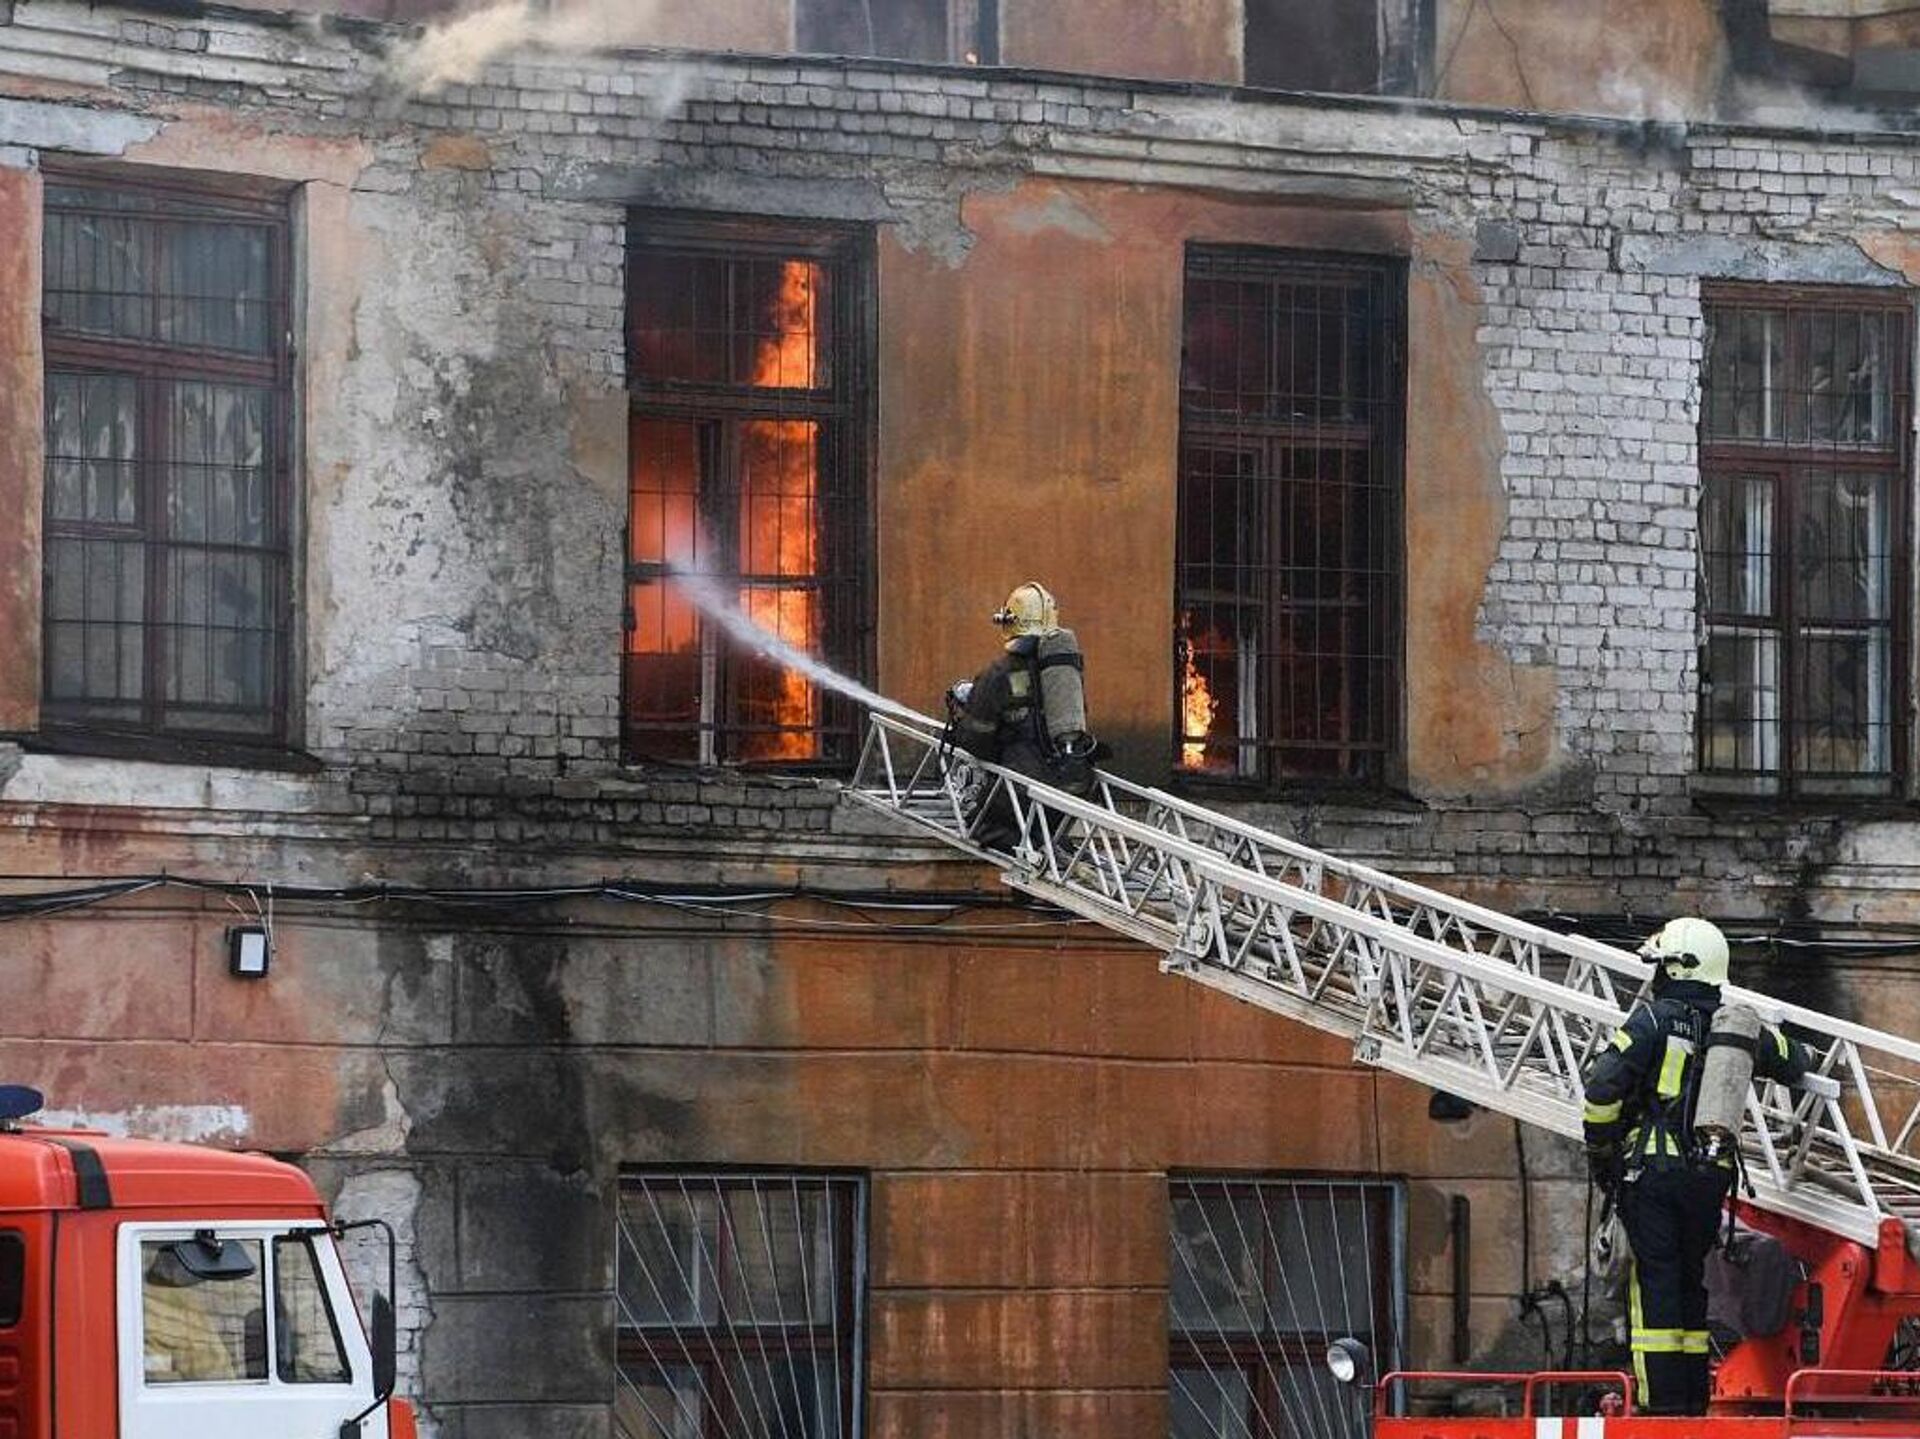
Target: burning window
748, 390
1804, 414
166, 604
1287, 648
738, 1299
1263, 1275
932, 30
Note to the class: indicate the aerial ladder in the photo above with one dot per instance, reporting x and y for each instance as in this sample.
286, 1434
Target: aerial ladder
1495, 1010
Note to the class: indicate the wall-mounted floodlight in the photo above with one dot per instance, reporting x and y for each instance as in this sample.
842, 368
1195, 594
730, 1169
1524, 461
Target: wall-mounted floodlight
1349, 1362
249, 951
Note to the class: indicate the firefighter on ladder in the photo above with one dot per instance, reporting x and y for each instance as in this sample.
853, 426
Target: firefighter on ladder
1027, 710
1669, 1175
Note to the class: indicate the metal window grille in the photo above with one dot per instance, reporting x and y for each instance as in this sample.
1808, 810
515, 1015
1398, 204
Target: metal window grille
748, 361
166, 604
1804, 569
1288, 556
739, 1301
1264, 1274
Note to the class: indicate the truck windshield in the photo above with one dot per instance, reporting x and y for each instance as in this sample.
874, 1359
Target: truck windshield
308, 1343
200, 1330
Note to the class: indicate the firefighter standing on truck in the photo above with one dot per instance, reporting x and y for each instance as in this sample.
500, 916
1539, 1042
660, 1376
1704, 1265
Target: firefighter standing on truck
1027, 710
1663, 1108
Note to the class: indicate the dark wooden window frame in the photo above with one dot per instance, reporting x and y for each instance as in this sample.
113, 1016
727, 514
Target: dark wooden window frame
1383, 441
1263, 1356
846, 547
708, 1350
150, 364
1785, 463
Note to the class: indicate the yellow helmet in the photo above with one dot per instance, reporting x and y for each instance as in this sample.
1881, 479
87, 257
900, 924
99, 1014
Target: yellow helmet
1029, 610
1689, 948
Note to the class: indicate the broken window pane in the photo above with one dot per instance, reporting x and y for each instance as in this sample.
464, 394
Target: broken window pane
898, 29
1325, 45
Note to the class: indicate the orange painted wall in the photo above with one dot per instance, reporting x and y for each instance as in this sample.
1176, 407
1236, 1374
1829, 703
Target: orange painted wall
20, 448
1016, 1105
1029, 429
1657, 58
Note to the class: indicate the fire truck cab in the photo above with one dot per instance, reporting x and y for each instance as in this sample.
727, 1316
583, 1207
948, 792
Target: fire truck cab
168, 1291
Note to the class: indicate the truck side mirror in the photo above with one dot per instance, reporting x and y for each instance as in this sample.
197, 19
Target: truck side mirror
386, 1349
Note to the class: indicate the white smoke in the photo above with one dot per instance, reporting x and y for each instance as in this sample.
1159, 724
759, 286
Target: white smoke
454, 52
718, 603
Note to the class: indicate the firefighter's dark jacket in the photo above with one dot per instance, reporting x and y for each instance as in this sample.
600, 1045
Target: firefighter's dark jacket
1002, 721
1641, 1088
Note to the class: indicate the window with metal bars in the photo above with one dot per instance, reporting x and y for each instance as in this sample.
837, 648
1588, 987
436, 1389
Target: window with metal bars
1264, 1274
166, 602
1287, 598
740, 1303
1804, 571
748, 364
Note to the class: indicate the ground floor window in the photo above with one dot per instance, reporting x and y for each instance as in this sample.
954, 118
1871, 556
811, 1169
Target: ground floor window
1264, 1274
739, 1305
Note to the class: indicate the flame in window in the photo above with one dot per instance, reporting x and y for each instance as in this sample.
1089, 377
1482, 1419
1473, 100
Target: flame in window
1197, 704
779, 526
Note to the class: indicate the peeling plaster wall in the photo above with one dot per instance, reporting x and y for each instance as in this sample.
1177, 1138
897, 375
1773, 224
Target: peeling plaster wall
1017, 1103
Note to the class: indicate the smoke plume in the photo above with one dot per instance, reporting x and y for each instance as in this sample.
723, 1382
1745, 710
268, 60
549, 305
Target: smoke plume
454, 52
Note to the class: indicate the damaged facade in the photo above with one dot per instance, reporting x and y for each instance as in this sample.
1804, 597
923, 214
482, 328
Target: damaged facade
1519, 501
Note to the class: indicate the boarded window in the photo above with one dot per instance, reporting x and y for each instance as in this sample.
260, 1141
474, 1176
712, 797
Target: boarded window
739, 1300
167, 513
1263, 1275
1288, 577
1803, 517
1326, 45
748, 366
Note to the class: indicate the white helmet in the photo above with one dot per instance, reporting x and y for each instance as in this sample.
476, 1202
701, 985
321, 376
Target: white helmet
1029, 610
1689, 948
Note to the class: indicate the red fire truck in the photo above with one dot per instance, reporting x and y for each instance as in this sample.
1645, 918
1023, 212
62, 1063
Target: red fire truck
167, 1291
1820, 1332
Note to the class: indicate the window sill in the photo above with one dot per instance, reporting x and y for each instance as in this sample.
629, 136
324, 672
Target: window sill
164, 749
1734, 799
1203, 789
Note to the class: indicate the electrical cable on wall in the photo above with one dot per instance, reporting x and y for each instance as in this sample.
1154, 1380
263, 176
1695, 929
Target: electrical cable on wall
724, 901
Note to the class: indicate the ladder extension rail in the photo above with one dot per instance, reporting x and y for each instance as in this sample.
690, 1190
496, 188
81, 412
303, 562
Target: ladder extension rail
1444, 992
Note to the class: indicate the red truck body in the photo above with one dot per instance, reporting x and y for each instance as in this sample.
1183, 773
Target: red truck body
65, 1198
